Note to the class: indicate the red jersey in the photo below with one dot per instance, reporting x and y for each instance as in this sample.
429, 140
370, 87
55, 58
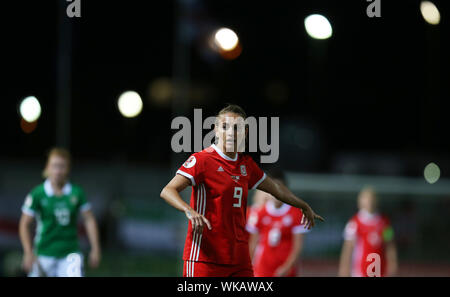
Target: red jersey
219, 192
370, 233
275, 228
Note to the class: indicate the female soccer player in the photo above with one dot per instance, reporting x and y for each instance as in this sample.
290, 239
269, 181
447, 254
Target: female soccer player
369, 248
55, 205
276, 236
220, 177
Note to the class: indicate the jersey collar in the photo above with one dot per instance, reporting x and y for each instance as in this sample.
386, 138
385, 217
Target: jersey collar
223, 155
367, 218
67, 189
277, 212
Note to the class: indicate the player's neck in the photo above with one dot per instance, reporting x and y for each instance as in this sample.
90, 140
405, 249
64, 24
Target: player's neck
57, 186
368, 214
223, 149
230, 155
277, 205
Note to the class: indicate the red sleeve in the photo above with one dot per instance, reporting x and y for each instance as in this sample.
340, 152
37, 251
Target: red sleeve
256, 175
193, 169
350, 230
298, 227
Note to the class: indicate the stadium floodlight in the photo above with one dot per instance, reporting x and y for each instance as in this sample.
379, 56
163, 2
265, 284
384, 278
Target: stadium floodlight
226, 39
30, 109
318, 27
432, 173
430, 13
130, 104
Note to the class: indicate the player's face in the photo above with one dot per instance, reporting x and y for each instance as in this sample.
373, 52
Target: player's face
57, 169
367, 201
231, 132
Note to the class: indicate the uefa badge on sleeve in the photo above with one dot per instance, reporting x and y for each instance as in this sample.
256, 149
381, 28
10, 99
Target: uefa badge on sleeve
190, 162
243, 170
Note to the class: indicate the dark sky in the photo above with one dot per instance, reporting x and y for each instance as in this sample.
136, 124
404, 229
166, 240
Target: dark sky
378, 84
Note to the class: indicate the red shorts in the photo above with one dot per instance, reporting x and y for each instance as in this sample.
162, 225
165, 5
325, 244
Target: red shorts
204, 269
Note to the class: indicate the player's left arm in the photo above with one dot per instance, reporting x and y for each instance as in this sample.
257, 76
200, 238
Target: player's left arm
293, 256
283, 194
391, 251
90, 224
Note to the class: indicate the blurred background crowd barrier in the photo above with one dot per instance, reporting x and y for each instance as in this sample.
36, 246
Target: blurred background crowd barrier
142, 236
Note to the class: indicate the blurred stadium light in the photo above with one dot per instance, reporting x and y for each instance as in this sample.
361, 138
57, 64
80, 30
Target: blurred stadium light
430, 13
226, 39
318, 27
30, 109
432, 173
130, 104
226, 43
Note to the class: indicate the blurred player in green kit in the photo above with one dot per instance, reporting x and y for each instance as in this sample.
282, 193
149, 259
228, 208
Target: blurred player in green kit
55, 205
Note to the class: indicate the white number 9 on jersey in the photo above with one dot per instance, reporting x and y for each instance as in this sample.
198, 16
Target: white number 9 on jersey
237, 195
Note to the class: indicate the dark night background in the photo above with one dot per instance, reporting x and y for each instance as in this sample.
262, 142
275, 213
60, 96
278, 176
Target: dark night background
378, 85
367, 106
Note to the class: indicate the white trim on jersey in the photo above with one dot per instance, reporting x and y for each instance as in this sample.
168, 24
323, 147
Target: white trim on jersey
28, 211
251, 229
85, 207
259, 182
300, 229
350, 230
223, 155
277, 212
67, 189
197, 239
368, 218
187, 175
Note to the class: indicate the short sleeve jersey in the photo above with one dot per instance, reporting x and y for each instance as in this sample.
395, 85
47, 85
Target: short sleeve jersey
56, 216
276, 227
370, 234
220, 186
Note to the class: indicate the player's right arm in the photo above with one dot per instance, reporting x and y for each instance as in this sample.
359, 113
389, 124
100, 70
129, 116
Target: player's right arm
252, 227
29, 209
171, 194
25, 238
346, 258
252, 242
345, 264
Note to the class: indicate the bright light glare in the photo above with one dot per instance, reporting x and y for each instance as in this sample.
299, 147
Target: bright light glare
130, 104
226, 39
30, 109
317, 26
430, 12
432, 173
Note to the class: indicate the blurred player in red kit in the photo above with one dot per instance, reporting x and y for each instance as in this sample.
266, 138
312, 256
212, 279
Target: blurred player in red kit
368, 233
276, 235
220, 176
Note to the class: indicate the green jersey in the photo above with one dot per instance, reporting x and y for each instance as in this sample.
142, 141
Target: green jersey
56, 217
